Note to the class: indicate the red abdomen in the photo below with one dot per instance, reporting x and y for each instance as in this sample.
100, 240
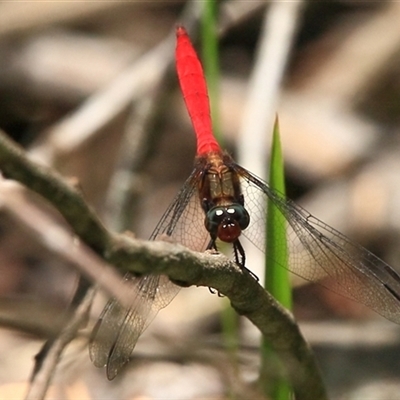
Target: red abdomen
195, 94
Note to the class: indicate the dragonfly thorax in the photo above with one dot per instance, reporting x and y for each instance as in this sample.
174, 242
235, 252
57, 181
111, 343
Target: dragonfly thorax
227, 222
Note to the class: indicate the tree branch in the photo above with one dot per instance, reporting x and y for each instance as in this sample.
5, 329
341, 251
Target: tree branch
15, 164
180, 264
247, 297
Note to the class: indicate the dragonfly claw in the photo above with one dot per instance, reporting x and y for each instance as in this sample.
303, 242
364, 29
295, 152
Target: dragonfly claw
213, 291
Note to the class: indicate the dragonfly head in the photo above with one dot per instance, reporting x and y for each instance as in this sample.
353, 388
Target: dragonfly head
227, 222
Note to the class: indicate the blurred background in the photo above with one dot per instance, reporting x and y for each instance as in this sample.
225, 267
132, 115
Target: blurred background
89, 89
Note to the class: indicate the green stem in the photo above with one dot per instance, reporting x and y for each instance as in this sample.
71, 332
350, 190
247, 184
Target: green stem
210, 59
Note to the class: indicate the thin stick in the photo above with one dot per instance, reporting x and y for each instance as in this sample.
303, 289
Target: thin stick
279, 28
41, 381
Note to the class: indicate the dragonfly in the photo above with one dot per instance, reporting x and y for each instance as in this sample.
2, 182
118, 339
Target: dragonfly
223, 202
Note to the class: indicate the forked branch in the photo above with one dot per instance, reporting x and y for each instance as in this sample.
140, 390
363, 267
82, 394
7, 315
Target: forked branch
246, 295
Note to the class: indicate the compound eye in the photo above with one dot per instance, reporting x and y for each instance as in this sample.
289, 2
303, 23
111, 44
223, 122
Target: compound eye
214, 218
239, 214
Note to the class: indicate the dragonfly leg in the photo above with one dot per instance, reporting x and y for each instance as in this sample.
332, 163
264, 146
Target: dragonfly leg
240, 258
240, 255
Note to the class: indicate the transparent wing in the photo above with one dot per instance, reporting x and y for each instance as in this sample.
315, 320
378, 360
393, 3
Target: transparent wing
183, 221
118, 329
316, 250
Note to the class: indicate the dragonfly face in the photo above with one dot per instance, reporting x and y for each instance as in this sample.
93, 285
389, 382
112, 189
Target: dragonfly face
227, 222
222, 199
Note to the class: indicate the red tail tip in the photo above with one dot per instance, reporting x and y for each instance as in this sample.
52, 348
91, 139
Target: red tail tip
180, 31
194, 89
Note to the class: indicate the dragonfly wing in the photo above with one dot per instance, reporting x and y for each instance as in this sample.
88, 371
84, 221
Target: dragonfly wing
183, 222
104, 332
316, 250
356, 273
166, 291
118, 329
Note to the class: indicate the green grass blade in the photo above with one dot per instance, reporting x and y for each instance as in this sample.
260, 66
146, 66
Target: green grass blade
210, 58
277, 279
